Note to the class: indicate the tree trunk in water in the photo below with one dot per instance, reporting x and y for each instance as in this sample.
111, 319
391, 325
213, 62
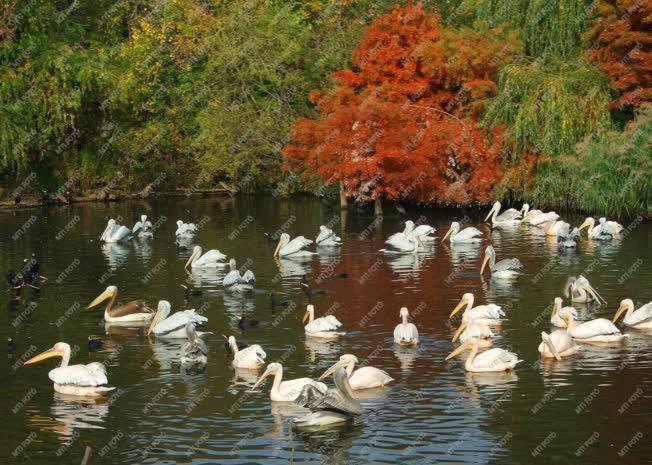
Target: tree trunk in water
378, 209
343, 203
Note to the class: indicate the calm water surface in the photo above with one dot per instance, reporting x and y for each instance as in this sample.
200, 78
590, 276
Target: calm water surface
593, 408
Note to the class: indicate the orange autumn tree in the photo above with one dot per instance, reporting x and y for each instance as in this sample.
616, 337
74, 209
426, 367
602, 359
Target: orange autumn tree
402, 121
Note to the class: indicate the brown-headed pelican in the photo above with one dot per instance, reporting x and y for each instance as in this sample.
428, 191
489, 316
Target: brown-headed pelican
580, 290
76, 380
495, 359
292, 248
234, 282
362, 378
211, 259
640, 318
194, 350
286, 391
134, 312
488, 314
606, 230
472, 330
143, 228
249, 358
507, 268
536, 217
185, 230
465, 236
115, 232
331, 407
406, 333
324, 327
327, 238
557, 311
557, 344
173, 327
598, 330
509, 217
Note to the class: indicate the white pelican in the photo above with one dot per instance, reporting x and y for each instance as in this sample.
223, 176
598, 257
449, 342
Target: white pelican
465, 236
210, 259
489, 314
292, 248
331, 407
606, 230
536, 217
580, 290
495, 359
174, 326
641, 318
554, 228
235, 283
405, 333
557, 344
598, 330
185, 230
115, 232
324, 327
509, 217
362, 378
143, 227
474, 330
76, 380
134, 312
286, 391
568, 239
250, 358
194, 350
557, 311
507, 268
423, 231
327, 237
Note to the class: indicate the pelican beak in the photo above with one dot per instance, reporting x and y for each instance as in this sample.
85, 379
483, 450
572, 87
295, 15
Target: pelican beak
305, 316
554, 311
262, 378
332, 369
551, 346
584, 225
44, 355
101, 298
278, 247
190, 259
484, 263
155, 320
490, 213
591, 290
447, 234
458, 351
462, 303
622, 309
526, 217
459, 331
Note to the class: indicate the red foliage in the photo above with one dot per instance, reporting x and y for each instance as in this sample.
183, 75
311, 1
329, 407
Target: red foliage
402, 123
623, 48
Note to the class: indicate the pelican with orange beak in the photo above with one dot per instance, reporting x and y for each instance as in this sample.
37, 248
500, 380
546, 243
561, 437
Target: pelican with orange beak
508, 268
76, 380
492, 360
292, 248
580, 290
135, 312
558, 344
474, 331
640, 318
489, 314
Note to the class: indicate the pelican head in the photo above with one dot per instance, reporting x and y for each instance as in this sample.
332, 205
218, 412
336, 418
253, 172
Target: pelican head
162, 312
494, 209
489, 256
525, 209
272, 369
282, 242
179, 222
454, 229
556, 306
109, 226
232, 264
345, 361
60, 349
404, 314
143, 218
409, 227
232, 343
602, 220
527, 215
196, 253
466, 346
107, 294
583, 283
590, 222
310, 313
568, 318
626, 305
467, 299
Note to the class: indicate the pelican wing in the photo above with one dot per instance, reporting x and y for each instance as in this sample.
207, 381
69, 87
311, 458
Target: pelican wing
323, 324
137, 227
178, 320
489, 311
130, 308
333, 321
248, 277
476, 331
593, 328
93, 374
120, 232
295, 245
406, 332
642, 315
492, 357
509, 214
468, 233
333, 400
231, 278
253, 353
324, 234
508, 264
211, 256
423, 230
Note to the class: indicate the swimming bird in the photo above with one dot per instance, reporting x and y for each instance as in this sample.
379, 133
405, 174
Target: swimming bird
194, 350
492, 360
277, 303
211, 259
249, 358
465, 236
234, 282
598, 330
334, 406
76, 380
580, 290
509, 217
363, 378
94, 342
406, 333
507, 268
244, 323
605, 230
324, 327
115, 232
640, 318
474, 330
190, 291
143, 227
306, 285
488, 314
556, 228
286, 391
422, 231
292, 248
557, 344
558, 311
185, 230
569, 239
173, 326
536, 217
134, 312
327, 238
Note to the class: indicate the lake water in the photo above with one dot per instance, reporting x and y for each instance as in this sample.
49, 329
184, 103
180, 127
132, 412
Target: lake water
592, 408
